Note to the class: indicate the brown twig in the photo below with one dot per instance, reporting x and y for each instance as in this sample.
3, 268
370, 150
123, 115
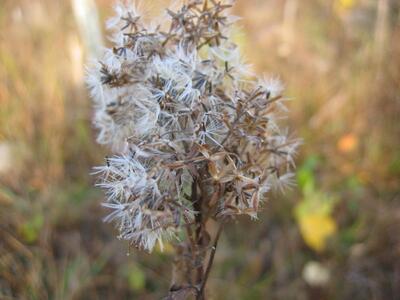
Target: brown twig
210, 263
196, 200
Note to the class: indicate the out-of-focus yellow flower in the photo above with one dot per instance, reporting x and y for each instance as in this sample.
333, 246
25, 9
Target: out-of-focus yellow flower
347, 143
316, 228
342, 6
346, 4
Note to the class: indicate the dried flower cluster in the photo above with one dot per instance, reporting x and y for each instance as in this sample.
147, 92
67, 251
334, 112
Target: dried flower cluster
195, 135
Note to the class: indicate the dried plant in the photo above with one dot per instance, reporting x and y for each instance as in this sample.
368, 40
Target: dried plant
195, 134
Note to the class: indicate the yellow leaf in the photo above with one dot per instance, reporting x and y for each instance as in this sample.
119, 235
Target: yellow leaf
315, 229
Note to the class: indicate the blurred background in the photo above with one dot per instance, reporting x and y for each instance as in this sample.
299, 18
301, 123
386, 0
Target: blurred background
335, 236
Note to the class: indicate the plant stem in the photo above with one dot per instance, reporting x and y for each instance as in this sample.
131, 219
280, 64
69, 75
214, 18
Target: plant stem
210, 263
196, 200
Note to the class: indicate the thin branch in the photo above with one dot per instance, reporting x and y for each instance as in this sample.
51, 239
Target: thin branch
211, 260
197, 205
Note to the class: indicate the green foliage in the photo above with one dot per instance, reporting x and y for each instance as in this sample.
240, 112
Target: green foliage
136, 279
31, 229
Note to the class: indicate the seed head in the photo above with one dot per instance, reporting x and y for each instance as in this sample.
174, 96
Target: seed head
178, 106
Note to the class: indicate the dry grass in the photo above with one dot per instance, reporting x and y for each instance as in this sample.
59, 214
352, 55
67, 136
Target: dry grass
53, 244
